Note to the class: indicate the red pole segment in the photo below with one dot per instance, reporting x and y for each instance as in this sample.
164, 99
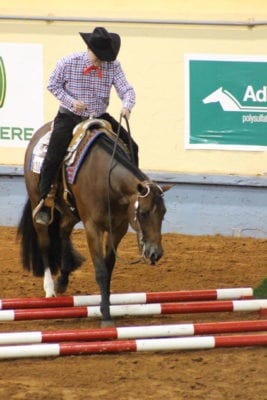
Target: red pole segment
241, 340
197, 307
50, 313
98, 347
203, 328
36, 302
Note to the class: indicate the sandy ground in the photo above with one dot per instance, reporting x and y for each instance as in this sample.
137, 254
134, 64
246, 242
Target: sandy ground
190, 262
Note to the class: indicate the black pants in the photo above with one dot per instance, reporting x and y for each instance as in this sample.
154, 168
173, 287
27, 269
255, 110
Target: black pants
59, 142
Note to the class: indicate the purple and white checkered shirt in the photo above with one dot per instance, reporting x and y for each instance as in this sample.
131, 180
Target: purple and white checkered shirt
68, 83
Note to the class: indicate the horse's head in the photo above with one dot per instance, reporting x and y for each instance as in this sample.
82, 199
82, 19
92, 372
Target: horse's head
214, 96
149, 210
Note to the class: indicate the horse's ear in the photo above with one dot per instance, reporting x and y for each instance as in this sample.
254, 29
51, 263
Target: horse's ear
166, 187
142, 189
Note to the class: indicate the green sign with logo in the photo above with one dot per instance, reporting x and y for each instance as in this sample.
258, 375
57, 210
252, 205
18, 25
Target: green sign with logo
226, 103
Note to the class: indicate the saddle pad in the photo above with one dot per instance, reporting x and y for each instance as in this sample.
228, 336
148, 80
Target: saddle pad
39, 153
72, 170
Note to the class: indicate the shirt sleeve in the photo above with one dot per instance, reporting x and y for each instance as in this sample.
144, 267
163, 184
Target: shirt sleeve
124, 90
57, 82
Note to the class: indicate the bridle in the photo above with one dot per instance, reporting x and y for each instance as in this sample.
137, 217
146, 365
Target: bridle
140, 232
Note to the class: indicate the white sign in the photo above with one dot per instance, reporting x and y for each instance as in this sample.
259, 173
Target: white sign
21, 93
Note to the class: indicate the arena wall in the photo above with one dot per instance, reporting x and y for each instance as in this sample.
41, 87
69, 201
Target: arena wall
153, 56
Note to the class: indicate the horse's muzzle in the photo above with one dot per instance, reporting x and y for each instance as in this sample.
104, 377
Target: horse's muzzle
153, 253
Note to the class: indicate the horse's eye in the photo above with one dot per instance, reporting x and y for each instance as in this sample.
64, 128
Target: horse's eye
143, 214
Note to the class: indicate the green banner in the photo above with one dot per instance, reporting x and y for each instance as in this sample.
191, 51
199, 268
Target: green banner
227, 103
2, 82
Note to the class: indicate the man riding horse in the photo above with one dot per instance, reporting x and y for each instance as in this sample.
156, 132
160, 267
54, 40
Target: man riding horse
82, 83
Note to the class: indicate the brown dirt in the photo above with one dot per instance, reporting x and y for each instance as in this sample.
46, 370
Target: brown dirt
190, 262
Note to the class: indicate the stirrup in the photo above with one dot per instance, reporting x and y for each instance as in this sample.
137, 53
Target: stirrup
42, 216
37, 208
49, 202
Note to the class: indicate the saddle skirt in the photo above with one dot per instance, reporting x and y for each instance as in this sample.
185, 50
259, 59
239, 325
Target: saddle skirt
84, 135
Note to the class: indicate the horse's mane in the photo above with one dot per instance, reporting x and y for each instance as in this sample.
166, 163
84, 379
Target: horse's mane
107, 144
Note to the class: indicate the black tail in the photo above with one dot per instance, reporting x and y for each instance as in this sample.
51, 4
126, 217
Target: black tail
30, 251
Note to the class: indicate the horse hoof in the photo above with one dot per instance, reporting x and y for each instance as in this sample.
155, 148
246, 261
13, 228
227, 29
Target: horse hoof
50, 294
107, 324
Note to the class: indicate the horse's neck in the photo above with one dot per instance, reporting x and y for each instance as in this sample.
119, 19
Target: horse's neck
125, 178
125, 184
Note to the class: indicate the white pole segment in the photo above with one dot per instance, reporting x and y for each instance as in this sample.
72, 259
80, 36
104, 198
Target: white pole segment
249, 305
20, 337
234, 293
132, 298
120, 298
204, 342
123, 310
92, 300
155, 331
34, 350
7, 315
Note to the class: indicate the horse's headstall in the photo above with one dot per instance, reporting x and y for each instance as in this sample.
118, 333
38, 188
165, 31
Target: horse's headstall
140, 195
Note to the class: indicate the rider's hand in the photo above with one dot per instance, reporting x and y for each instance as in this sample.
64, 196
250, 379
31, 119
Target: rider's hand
78, 106
125, 113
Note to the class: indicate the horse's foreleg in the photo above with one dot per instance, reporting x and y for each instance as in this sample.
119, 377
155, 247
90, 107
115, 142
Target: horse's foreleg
103, 281
104, 285
110, 263
112, 242
104, 265
95, 240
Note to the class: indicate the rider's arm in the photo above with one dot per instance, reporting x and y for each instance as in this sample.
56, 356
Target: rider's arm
125, 91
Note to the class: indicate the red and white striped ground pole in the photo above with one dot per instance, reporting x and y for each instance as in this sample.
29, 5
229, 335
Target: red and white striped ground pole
132, 332
134, 309
128, 298
166, 344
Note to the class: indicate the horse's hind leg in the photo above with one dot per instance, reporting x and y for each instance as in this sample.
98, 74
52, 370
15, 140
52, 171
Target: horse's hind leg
49, 286
35, 249
44, 245
70, 261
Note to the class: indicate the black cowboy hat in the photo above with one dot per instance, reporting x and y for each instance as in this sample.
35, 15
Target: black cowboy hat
103, 44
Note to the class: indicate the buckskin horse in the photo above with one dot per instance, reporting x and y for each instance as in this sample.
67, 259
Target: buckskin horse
108, 194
